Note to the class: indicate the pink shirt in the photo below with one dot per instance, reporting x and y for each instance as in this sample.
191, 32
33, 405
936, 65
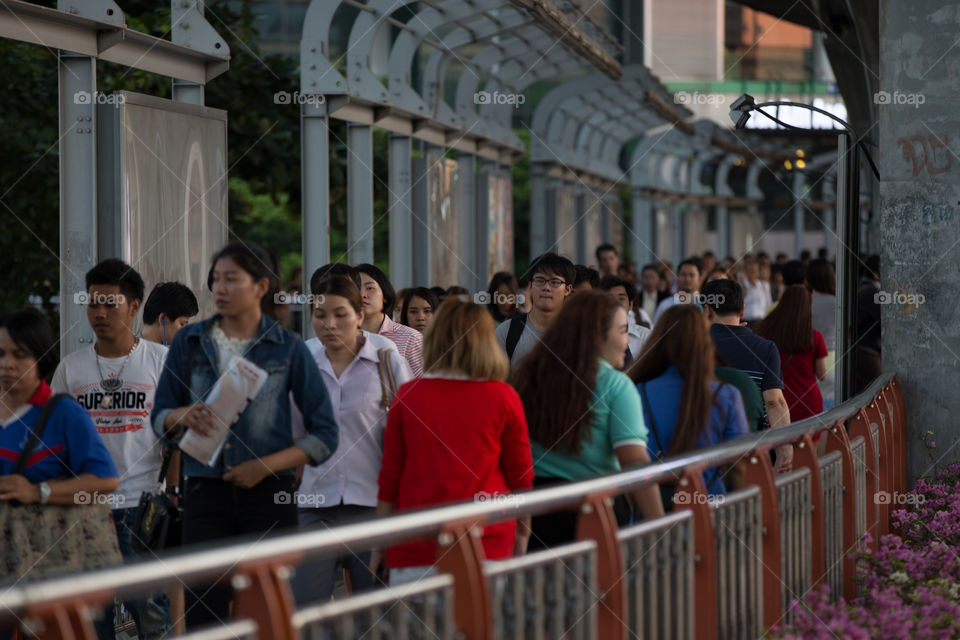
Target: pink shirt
409, 342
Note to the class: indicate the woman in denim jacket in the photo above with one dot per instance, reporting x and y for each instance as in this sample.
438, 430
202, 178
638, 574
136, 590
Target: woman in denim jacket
249, 488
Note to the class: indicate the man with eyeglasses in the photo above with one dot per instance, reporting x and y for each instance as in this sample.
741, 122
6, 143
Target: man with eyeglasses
551, 281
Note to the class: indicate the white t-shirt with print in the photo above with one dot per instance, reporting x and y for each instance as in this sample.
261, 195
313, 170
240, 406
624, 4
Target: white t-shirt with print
124, 425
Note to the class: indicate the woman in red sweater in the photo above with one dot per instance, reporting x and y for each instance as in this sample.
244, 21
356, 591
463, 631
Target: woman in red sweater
802, 349
458, 433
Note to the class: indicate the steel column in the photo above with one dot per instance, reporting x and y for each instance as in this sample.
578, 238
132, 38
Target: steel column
78, 193
469, 222
359, 193
400, 208
848, 249
641, 225
315, 189
540, 241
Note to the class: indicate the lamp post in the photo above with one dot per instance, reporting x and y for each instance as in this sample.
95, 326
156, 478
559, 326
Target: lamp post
848, 233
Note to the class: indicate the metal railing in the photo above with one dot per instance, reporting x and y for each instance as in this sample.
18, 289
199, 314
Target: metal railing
708, 570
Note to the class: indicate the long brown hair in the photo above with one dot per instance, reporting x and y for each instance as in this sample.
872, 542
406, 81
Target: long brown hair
461, 338
556, 379
790, 325
681, 339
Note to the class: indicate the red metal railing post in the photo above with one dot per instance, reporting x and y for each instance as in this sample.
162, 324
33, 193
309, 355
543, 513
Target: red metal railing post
837, 441
261, 592
759, 472
598, 522
691, 494
460, 553
885, 495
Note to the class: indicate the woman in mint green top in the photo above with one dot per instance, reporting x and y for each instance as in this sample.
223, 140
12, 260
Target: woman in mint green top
584, 416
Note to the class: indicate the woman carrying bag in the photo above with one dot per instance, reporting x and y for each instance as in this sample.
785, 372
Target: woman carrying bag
54, 469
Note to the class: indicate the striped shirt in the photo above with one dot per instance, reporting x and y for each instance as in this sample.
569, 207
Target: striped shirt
409, 343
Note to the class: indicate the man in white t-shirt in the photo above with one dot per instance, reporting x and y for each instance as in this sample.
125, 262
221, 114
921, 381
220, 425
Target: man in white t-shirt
115, 381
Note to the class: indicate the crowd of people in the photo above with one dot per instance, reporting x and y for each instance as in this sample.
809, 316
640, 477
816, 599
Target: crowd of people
403, 400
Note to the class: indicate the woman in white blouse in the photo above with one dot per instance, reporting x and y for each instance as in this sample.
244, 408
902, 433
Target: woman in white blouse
757, 298
360, 379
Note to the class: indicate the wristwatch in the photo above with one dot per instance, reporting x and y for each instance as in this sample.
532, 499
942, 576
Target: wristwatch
44, 492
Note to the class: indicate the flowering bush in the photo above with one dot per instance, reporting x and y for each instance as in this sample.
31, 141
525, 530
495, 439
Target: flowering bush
910, 586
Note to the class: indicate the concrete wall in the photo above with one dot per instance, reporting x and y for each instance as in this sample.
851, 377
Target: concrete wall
919, 132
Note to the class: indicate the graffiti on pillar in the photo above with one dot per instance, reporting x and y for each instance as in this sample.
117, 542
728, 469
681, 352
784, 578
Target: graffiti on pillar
932, 214
928, 160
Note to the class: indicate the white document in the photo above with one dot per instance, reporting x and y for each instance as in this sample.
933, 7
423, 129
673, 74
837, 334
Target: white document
228, 398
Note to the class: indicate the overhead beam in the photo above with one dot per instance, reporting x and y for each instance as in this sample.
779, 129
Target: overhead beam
107, 41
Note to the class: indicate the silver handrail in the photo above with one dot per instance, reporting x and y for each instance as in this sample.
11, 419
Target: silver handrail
215, 561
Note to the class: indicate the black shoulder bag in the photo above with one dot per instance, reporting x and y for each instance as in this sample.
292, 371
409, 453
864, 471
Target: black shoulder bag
517, 325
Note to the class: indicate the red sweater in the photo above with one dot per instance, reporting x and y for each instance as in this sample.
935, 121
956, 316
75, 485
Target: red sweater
450, 441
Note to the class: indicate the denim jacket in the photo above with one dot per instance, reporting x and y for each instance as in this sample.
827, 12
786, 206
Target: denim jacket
264, 427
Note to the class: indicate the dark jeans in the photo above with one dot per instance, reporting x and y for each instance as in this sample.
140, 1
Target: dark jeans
314, 579
152, 613
213, 511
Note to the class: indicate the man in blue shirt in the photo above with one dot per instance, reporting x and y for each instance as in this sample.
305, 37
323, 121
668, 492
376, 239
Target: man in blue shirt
744, 350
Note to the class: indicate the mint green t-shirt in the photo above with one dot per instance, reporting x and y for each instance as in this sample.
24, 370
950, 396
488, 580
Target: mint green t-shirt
617, 420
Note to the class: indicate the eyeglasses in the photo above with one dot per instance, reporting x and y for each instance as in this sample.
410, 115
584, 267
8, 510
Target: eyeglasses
542, 282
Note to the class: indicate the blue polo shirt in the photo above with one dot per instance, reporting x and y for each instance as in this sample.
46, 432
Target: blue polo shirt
70, 444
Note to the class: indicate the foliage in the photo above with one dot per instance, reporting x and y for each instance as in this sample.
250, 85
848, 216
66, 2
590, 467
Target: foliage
911, 584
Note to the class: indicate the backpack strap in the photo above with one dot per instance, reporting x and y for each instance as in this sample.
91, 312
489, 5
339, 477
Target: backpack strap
36, 433
517, 324
388, 383
648, 412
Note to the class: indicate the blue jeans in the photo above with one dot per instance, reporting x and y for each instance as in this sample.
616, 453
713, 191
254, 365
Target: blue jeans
151, 613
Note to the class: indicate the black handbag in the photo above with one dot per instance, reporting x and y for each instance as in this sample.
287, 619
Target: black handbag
157, 521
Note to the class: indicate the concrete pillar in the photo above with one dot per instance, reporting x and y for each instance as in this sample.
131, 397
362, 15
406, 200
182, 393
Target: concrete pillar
920, 222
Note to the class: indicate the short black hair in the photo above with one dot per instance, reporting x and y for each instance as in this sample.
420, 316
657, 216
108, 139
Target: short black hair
586, 274
651, 267
805, 254
696, 262
389, 294
440, 292
420, 292
172, 299
724, 296
609, 282
822, 253
30, 330
118, 272
606, 246
709, 253
256, 261
551, 263
334, 269
794, 272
